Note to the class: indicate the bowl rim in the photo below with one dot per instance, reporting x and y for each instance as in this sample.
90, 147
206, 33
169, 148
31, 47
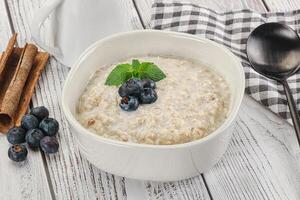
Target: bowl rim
82, 130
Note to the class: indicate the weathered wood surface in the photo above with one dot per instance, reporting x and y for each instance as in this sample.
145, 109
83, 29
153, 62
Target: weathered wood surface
19, 181
70, 175
278, 5
262, 162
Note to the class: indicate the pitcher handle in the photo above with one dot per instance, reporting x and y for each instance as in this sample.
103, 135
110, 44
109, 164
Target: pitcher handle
38, 19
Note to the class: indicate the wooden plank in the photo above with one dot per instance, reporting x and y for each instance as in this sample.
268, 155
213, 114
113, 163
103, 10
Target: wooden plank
25, 180
5, 31
261, 161
227, 186
278, 5
188, 189
144, 7
71, 175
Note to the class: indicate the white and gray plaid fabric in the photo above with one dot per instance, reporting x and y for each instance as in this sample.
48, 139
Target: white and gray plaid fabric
232, 29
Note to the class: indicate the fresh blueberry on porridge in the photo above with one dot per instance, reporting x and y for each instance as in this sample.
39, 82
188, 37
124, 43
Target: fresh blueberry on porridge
148, 83
154, 100
131, 87
129, 103
148, 96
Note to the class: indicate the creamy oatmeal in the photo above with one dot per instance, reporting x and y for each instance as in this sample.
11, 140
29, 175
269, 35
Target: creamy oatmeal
192, 102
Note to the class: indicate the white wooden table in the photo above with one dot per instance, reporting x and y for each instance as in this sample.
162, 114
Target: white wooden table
262, 161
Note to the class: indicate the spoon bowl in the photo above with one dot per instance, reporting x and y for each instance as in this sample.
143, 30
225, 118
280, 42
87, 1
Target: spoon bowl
273, 50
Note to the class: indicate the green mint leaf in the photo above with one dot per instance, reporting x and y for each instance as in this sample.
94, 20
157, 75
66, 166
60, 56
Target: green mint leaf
148, 70
145, 70
135, 63
119, 75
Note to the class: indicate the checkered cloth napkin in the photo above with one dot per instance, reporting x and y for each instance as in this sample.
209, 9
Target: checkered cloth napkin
232, 29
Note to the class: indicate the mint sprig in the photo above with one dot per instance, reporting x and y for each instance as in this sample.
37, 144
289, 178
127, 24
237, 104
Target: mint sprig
142, 70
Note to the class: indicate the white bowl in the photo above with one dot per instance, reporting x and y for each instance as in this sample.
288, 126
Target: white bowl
153, 162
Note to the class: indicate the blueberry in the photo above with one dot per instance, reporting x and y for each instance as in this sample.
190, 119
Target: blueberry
148, 96
29, 122
17, 152
49, 126
148, 83
16, 135
33, 137
40, 112
49, 144
129, 103
132, 87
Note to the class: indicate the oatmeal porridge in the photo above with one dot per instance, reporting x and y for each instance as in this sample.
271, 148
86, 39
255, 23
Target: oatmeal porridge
192, 102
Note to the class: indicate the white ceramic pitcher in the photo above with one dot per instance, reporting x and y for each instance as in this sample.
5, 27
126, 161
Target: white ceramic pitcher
79, 23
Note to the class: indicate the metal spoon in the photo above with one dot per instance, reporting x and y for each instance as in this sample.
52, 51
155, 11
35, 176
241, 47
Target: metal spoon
273, 50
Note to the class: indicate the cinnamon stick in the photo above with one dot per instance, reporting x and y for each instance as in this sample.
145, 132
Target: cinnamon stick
39, 64
11, 98
6, 55
9, 71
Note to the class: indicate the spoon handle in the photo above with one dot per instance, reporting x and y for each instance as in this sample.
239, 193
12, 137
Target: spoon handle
293, 109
